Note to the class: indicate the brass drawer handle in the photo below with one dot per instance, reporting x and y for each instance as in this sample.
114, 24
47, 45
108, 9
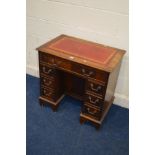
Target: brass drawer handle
46, 93
87, 74
54, 65
46, 71
91, 111
95, 89
47, 82
94, 102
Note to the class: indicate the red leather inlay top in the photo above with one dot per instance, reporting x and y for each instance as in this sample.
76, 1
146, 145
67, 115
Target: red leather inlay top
84, 50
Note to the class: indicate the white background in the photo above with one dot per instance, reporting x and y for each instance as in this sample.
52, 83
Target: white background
13, 86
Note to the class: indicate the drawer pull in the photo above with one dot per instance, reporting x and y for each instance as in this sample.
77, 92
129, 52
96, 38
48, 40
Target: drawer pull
94, 102
47, 82
91, 111
95, 89
87, 74
46, 93
54, 65
46, 71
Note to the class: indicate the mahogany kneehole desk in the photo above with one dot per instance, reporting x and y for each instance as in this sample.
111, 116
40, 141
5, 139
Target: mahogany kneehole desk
82, 69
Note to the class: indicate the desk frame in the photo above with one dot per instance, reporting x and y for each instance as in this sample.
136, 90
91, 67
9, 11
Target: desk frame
99, 82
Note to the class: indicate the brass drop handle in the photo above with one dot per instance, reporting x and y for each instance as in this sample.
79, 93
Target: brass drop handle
95, 89
47, 82
54, 65
91, 111
94, 102
47, 94
87, 74
46, 71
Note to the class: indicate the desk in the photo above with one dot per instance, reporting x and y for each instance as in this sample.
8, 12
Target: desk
82, 69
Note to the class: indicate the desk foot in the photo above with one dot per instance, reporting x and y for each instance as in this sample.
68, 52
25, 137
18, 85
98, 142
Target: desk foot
82, 120
54, 108
41, 103
54, 105
97, 126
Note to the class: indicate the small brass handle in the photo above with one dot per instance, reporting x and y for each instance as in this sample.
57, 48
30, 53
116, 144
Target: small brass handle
47, 82
91, 111
95, 89
87, 74
94, 102
46, 71
47, 94
54, 65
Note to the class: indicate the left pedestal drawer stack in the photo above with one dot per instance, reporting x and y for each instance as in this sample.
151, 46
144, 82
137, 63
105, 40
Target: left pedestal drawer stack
49, 79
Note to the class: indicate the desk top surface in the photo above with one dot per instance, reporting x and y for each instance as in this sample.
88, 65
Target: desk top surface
85, 52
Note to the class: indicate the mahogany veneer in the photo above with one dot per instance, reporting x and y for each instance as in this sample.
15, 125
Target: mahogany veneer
85, 70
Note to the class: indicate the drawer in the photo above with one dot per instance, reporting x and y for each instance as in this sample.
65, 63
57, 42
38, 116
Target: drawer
47, 93
90, 72
54, 61
46, 70
46, 58
93, 100
47, 81
95, 88
63, 64
94, 112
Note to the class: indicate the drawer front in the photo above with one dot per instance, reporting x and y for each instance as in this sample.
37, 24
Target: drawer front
95, 88
90, 72
46, 58
54, 61
88, 110
83, 70
63, 64
48, 82
47, 93
46, 70
93, 100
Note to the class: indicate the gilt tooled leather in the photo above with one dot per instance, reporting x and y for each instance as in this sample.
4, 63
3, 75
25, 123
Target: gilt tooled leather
85, 50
